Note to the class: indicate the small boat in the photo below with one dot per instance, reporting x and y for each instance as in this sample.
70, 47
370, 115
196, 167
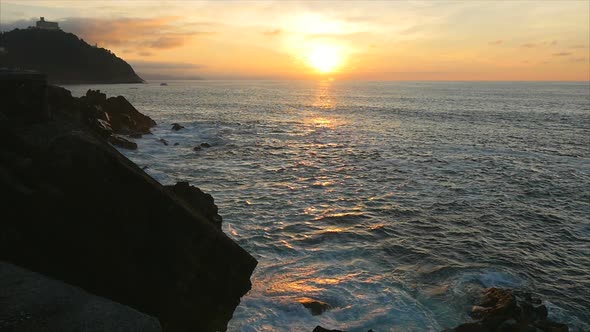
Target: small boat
163, 84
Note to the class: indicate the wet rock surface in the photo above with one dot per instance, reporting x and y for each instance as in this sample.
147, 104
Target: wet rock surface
505, 310
77, 210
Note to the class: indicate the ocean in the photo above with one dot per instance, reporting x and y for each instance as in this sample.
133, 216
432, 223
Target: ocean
393, 202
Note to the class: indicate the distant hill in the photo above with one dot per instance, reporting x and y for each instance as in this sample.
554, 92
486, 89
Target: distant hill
63, 57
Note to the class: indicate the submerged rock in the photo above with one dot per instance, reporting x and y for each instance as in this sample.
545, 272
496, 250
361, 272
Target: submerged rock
205, 145
177, 127
316, 307
505, 310
163, 141
321, 329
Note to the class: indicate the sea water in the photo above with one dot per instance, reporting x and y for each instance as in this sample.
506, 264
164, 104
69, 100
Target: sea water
393, 202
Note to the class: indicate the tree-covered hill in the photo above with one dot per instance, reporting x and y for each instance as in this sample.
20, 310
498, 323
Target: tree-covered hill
63, 57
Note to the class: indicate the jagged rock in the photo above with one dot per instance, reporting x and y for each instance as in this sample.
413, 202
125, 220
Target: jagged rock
122, 142
177, 127
176, 144
316, 307
197, 148
205, 145
505, 310
163, 141
321, 329
198, 201
123, 118
80, 212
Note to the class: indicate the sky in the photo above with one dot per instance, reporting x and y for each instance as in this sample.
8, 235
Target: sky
358, 40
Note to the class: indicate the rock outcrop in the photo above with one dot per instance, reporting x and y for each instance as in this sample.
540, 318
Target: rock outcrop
198, 201
76, 210
505, 310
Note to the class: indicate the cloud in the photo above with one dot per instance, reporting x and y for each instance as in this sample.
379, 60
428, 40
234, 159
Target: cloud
272, 32
578, 59
562, 54
578, 46
496, 42
528, 45
138, 33
145, 53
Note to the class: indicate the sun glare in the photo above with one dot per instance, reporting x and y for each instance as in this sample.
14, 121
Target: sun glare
324, 58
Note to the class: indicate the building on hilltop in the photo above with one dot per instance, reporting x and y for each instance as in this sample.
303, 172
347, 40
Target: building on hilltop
42, 24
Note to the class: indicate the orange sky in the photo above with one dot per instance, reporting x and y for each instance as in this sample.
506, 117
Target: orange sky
369, 40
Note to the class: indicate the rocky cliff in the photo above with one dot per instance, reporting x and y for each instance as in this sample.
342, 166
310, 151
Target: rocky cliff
77, 210
63, 57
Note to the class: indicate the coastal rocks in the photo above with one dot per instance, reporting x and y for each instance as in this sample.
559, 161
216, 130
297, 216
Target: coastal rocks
77, 210
177, 127
506, 310
123, 118
198, 201
163, 141
315, 307
205, 145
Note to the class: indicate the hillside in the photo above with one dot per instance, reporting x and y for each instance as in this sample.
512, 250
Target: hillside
63, 57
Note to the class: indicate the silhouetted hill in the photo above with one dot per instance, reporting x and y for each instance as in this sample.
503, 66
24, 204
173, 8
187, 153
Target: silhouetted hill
63, 57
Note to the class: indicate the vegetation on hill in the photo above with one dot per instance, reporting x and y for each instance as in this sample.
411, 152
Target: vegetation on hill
63, 57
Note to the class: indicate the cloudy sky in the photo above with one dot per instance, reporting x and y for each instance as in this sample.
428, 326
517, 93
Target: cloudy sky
369, 40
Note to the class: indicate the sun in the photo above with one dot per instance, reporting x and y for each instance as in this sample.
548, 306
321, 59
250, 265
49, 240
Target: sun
324, 58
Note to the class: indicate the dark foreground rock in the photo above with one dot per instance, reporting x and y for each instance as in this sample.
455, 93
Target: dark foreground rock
77, 210
505, 310
32, 302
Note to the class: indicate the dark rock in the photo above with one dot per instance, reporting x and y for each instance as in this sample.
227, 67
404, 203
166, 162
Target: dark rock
205, 145
103, 128
197, 148
125, 119
321, 329
80, 212
176, 144
549, 326
316, 307
505, 310
198, 201
32, 302
163, 141
135, 135
176, 126
122, 142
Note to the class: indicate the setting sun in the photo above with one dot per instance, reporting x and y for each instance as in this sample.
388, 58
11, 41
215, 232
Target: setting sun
324, 58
